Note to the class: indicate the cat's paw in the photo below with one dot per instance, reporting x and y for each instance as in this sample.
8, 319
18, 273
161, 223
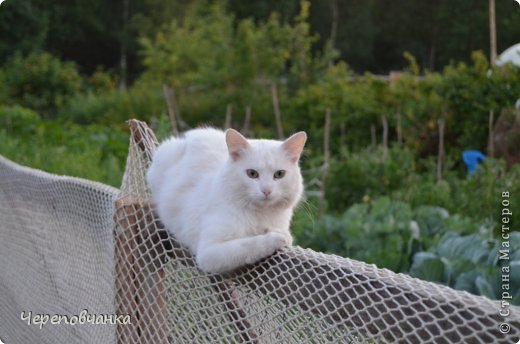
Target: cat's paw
286, 234
277, 240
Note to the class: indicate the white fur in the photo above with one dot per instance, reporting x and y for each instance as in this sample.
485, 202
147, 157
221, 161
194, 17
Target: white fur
205, 198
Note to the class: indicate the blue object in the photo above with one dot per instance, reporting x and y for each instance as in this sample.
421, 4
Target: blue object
472, 158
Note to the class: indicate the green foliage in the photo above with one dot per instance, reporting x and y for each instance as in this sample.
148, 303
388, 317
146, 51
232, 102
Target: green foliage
385, 232
101, 82
470, 92
24, 26
210, 53
471, 263
95, 152
40, 82
113, 107
363, 175
196, 51
425, 241
17, 119
477, 196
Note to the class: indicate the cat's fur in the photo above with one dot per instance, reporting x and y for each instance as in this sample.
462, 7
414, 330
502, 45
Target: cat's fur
207, 197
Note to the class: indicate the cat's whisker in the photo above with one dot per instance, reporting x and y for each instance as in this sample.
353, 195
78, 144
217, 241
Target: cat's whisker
310, 210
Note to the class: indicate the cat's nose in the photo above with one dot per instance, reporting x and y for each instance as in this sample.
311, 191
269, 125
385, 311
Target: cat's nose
266, 192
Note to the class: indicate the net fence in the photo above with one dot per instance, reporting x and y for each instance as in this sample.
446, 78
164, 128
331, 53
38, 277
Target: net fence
69, 245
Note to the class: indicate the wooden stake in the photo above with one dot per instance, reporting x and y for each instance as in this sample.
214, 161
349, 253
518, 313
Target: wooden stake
385, 138
247, 121
326, 158
276, 108
334, 25
440, 157
140, 290
227, 123
172, 113
492, 33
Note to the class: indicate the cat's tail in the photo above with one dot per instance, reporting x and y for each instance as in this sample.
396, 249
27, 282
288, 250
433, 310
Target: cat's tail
166, 155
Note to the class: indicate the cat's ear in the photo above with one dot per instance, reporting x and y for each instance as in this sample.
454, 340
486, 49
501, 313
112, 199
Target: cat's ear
294, 145
236, 143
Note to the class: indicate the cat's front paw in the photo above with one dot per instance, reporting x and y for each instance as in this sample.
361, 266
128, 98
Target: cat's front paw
285, 233
277, 240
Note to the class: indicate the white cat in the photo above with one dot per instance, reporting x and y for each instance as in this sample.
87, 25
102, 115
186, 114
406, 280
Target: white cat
228, 199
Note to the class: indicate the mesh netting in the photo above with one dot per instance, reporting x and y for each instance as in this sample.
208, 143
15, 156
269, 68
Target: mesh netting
56, 255
59, 255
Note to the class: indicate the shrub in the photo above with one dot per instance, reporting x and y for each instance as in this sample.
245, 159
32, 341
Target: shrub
477, 196
355, 176
18, 119
113, 108
101, 82
40, 82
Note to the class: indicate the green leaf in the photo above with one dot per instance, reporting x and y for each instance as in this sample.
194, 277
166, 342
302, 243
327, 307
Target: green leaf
484, 287
466, 281
427, 266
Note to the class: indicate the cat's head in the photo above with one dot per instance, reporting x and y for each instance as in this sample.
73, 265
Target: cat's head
265, 173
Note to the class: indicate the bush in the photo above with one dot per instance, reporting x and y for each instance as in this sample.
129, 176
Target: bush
114, 107
101, 82
40, 82
476, 196
363, 175
17, 119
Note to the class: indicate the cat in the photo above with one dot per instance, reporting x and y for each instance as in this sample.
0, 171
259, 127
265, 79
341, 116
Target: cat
228, 199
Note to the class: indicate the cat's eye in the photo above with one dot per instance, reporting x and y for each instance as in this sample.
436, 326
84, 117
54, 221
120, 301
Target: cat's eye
279, 174
252, 173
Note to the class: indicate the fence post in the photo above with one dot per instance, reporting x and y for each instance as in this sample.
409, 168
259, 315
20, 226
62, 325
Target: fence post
229, 113
140, 290
440, 157
326, 158
169, 96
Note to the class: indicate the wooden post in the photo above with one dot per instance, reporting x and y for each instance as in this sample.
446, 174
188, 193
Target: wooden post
385, 138
229, 113
123, 58
326, 158
276, 108
172, 113
334, 25
440, 157
492, 33
491, 134
247, 121
125, 245
140, 290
